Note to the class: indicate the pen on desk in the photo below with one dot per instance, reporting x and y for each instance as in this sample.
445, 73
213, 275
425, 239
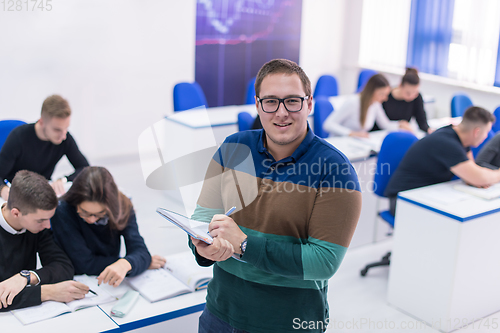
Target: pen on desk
230, 211
93, 292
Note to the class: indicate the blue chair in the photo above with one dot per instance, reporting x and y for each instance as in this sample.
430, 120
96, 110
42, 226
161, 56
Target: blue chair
6, 126
188, 96
394, 147
245, 121
475, 150
250, 95
496, 125
459, 103
364, 76
326, 86
322, 109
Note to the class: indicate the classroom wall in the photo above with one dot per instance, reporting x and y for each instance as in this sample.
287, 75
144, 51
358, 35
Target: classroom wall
117, 61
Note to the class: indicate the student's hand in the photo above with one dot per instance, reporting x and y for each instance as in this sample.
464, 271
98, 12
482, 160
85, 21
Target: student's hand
225, 227
430, 130
360, 134
114, 273
65, 291
404, 125
5, 193
58, 187
157, 262
10, 288
219, 250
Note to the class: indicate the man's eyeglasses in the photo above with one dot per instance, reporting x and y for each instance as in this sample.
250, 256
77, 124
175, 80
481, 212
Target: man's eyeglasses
292, 104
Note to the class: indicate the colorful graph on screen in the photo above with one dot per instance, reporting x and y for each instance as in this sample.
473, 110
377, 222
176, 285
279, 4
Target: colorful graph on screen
234, 38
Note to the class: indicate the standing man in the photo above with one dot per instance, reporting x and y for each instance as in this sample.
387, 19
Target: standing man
298, 202
443, 154
24, 224
38, 147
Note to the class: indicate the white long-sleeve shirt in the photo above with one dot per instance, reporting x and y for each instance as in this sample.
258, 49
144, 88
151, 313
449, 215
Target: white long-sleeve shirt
344, 120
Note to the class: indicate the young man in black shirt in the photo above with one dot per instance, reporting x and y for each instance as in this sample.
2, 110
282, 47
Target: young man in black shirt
38, 147
24, 223
443, 154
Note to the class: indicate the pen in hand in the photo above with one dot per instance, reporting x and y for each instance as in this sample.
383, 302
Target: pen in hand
93, 292
230, 211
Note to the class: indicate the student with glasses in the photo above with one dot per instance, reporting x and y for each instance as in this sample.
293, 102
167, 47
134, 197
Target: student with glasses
88, 223
359, 113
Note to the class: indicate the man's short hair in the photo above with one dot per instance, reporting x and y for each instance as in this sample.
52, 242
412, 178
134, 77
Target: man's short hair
30, 191
282, 66
56, 106
477, 116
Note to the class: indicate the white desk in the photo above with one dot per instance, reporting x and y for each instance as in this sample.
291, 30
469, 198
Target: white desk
444, 266
178, 314
82, 321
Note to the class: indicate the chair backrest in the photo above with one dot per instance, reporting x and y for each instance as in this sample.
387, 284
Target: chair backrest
250, 94
322, 109
459, 103
364, 76
496, 126
245, 121
394, 147
326, 86
6, 126
475, 150
188, 96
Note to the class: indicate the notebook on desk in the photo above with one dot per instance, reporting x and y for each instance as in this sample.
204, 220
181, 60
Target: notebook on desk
489, 193
180, 275
52, 309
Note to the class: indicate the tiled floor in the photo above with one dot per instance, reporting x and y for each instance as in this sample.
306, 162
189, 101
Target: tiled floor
357, 304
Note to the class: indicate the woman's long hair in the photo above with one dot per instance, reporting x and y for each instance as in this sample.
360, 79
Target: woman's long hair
366, 96
96, 184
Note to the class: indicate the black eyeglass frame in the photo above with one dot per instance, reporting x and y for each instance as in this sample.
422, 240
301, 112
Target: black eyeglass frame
282, 100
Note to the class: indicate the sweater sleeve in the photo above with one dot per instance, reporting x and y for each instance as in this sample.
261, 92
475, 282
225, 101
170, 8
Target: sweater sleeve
72, 241
75, 157
10, 152
419, 113
137, 252
56, 266
335, 122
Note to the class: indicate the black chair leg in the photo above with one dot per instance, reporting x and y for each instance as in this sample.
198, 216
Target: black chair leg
386, 261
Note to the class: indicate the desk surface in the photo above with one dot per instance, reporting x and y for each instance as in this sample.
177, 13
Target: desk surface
86, 320
445, 200
219, 116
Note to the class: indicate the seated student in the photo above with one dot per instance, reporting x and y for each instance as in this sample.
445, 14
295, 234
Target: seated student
38, 147
489, 156
24, 224
405, 101
359, 113
88, 223
444, 153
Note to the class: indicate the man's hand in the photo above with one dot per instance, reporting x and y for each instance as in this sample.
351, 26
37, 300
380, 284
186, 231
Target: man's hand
219, 250
114, 273
58, 187
65, 291
4, 193
157, 262
225, 227
10, 288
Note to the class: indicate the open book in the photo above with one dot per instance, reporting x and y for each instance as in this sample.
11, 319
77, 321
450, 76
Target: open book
52, 309
489, 193
180, 275
196, 229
